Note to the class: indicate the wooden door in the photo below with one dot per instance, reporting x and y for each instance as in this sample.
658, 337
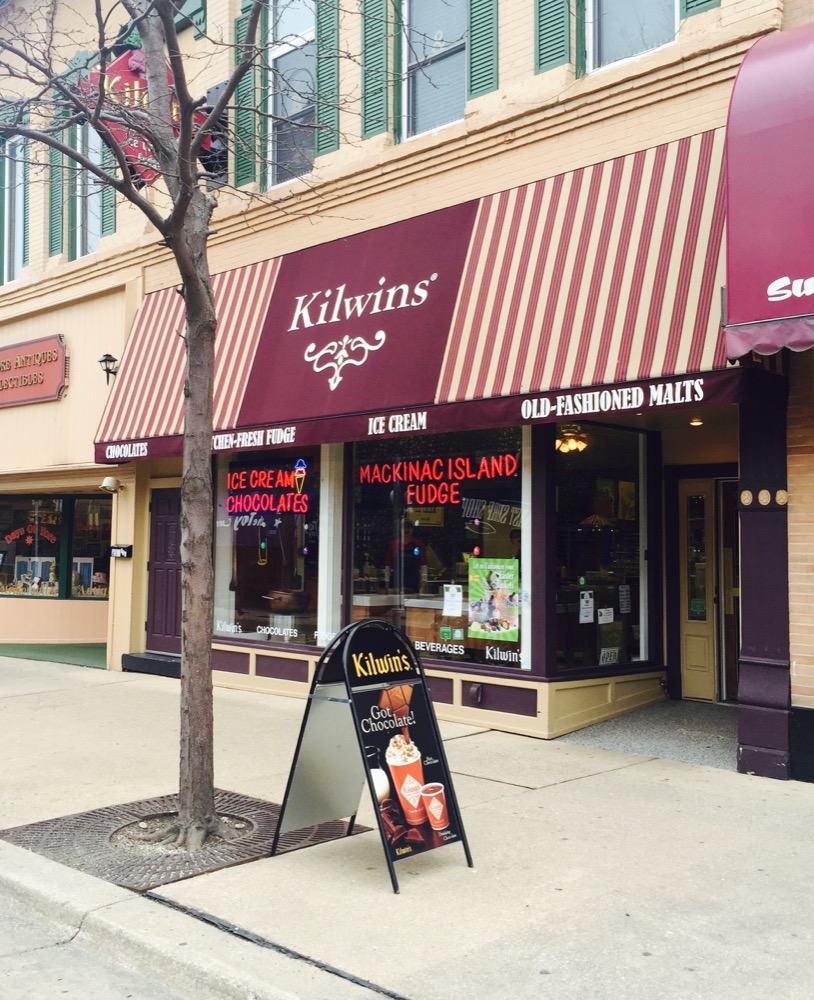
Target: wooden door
164, 573
696, 532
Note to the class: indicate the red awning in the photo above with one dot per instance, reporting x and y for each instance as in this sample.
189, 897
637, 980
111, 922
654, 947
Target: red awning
147, 400
770, 197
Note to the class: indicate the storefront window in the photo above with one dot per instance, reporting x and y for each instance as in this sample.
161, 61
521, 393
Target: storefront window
55, 546
266, 547
90, 559
436, 542
600, 569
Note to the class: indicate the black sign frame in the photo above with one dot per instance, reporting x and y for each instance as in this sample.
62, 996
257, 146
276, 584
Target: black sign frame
368, 699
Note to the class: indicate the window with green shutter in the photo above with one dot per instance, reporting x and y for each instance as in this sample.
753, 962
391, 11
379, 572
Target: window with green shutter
552, 34
13, 208
290, 102
81, 206
433, 46
375, 62
611, 31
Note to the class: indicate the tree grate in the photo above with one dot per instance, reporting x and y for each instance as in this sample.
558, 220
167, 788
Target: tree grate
84, 841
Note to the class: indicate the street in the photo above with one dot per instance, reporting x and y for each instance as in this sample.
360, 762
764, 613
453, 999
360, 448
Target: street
42, 960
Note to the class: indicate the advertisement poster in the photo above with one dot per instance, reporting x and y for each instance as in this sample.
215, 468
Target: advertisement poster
406, 769
494, 599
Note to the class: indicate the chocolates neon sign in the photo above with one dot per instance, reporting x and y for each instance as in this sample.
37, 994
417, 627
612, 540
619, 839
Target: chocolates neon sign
274, 490
432, 481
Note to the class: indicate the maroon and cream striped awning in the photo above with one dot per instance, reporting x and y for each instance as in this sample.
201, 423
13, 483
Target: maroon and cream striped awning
607, 276
147, 402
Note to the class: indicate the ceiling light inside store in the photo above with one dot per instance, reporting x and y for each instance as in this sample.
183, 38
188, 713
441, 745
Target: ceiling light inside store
571, 438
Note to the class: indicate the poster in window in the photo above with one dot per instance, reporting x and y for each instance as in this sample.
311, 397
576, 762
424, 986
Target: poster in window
494, 600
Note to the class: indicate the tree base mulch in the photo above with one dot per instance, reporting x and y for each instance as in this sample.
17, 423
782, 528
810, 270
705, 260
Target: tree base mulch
104, 842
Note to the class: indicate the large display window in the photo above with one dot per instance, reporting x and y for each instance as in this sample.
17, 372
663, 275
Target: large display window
55, 547
600, 523
437, 525
266, 534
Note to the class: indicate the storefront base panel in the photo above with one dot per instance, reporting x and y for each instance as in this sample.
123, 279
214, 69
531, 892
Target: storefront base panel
523, 705
562, 706
43, 621
801, 735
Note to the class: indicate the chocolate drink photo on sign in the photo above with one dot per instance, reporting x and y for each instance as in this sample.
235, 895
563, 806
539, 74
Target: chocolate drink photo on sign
407, 774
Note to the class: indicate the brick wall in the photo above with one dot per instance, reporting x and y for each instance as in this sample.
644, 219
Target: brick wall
801, 528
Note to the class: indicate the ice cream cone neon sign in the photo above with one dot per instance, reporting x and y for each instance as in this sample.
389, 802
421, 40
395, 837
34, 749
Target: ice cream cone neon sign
299, 474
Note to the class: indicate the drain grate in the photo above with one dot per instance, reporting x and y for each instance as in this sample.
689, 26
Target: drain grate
83, 841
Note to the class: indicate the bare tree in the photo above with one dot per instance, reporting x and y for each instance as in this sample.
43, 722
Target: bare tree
162, 138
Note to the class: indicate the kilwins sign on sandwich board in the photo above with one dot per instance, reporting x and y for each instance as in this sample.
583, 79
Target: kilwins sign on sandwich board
369, 718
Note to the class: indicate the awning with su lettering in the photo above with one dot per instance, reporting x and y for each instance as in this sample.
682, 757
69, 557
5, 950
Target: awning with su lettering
770, 197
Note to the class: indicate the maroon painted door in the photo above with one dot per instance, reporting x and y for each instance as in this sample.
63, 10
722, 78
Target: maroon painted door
164, 573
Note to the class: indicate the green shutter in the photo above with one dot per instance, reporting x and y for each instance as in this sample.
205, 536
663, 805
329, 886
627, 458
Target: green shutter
481, 48
327, 96
56, 202
581, 43
72, 171
191, 12
108, 196
375, 90
2, 210
690, 7
552, 33
25, 206
245, 115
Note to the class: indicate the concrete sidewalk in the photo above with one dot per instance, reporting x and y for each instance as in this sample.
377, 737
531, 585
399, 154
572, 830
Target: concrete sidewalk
597, 874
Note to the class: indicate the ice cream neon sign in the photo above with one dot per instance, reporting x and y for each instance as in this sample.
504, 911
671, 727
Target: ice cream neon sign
267, 489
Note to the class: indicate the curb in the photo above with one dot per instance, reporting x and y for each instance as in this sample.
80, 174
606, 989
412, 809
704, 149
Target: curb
187, 955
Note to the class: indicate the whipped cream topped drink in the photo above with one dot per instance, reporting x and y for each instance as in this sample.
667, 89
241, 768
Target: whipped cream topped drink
404, 761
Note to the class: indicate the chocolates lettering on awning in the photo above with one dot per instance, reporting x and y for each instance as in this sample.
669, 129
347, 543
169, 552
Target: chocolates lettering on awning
770, 197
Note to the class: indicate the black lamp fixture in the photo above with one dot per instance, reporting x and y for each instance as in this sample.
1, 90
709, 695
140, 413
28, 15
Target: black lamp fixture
110, 366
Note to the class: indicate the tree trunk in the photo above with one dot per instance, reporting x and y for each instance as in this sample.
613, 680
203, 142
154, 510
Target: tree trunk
197, 816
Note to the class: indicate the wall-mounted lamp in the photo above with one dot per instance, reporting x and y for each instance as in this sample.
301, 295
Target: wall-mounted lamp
110, 366
110, 484
696, 422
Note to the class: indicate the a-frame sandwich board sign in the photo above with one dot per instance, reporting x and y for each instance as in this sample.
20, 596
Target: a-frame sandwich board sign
369, 717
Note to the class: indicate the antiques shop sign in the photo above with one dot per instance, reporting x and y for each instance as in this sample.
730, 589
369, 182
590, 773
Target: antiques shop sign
33, 372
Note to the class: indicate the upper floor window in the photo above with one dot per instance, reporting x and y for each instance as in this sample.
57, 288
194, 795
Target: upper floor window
82, 208
14, 207
434, 61
619, 29
85, 191
292, 89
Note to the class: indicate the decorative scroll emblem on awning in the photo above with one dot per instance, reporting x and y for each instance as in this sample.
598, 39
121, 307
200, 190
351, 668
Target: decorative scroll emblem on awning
337, 354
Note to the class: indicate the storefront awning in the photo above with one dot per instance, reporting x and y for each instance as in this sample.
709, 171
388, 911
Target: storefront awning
145, 411
603, 275
770, 197
607, 275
